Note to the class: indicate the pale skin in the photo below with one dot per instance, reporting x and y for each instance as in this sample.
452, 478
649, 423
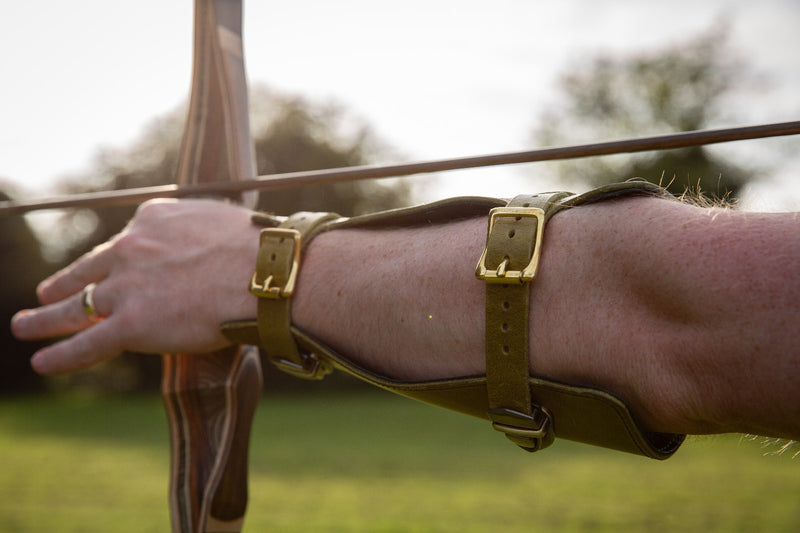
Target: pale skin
690, 315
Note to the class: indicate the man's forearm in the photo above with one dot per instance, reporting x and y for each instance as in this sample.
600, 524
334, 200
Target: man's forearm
687, 314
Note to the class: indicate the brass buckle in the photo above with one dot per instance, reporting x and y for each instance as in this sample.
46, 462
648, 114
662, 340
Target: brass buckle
501, 274
266, 289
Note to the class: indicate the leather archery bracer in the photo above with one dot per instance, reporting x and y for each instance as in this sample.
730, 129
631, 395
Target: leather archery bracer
530, 410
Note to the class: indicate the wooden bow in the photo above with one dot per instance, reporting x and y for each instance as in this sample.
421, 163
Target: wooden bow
211, 398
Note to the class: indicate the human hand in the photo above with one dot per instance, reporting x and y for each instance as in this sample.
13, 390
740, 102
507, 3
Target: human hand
164, 284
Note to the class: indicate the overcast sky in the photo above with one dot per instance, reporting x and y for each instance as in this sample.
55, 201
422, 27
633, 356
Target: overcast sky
436, 78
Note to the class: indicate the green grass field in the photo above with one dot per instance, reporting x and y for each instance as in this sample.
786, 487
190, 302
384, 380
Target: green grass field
377, 463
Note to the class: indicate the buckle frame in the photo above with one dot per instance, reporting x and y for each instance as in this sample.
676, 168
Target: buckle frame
266, 289
312, 367
538, 435
501, 274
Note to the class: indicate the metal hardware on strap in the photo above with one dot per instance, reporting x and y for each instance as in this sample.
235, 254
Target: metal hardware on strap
530, 432
501, 274
312, 367
266, 289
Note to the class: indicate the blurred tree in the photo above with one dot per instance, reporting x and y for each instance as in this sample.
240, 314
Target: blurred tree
682, 88
290, 134
296, 136
21, 270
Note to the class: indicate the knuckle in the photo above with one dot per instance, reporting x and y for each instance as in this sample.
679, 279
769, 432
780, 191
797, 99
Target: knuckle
129, 245
153, 208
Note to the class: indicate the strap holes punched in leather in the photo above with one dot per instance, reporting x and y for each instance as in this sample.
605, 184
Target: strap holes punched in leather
506, 306
504, 326
511, 234
506, 350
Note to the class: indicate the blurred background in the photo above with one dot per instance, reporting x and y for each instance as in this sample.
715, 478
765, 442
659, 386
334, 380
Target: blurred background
93, 98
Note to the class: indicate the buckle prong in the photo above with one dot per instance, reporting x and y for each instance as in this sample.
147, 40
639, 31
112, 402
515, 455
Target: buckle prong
501, 268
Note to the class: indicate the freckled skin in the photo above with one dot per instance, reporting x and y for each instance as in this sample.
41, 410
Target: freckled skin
684, 312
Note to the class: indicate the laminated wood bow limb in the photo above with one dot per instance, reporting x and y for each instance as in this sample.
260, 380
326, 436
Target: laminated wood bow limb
211, 398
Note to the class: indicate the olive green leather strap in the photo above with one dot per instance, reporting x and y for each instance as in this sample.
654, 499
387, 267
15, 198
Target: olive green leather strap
508, 265
273, 282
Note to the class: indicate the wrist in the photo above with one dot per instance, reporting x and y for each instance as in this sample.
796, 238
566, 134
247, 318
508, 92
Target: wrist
238, 250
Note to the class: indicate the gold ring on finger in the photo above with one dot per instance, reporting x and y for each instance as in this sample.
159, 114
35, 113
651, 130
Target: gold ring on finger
88, 303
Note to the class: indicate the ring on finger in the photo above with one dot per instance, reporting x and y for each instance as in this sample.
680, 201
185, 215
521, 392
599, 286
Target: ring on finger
88, 303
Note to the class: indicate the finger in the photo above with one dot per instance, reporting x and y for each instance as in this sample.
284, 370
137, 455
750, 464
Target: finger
91, 267
82, 350
60, 318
